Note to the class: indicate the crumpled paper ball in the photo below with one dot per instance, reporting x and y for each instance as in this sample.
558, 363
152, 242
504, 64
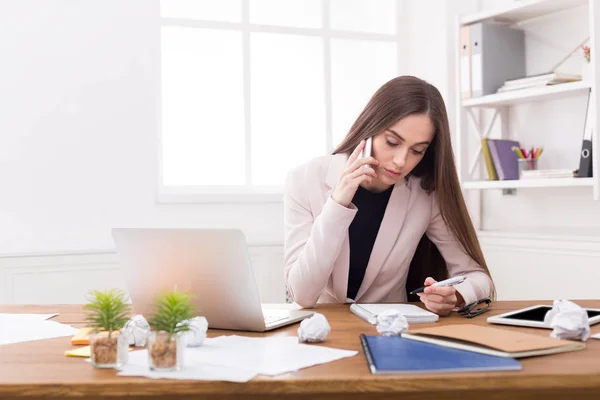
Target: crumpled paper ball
197, 333
137, 330
314, 329
391, 322
568, 320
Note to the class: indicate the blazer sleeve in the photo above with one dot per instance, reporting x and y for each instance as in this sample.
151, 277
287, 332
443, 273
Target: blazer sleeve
478, 284
311, 243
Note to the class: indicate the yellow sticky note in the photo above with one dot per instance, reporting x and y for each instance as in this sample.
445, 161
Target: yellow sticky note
79, 352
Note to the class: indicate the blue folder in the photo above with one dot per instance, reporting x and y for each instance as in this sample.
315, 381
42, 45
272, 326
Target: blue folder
395, 355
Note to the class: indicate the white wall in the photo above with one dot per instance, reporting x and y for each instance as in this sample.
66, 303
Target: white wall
79, 150
78, 135
78, 98
78, 126
66, 278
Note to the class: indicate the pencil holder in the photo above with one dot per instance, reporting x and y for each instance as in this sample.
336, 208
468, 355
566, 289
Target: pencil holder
527, 164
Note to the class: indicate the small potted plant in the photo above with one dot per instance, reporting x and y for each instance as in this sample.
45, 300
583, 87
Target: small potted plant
107, 313
169, 320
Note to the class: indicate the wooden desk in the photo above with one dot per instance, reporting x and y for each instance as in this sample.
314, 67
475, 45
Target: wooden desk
40, 370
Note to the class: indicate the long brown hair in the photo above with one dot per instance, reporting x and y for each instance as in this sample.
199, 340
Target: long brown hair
408, 95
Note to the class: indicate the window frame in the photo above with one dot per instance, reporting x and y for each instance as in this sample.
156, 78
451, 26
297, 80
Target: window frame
257, 193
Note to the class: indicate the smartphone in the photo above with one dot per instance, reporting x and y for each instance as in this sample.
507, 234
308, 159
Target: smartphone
367, 151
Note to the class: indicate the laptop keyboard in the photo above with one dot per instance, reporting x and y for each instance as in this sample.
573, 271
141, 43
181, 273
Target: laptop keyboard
273, 316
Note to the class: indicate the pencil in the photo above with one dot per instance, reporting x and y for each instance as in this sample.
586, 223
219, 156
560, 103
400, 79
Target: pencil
517, 151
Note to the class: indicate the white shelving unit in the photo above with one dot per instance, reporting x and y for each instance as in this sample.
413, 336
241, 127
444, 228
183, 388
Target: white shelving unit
546, 224
521, 11
530, 183
527, 95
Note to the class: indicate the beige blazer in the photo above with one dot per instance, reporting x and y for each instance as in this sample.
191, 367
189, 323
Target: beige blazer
317, 249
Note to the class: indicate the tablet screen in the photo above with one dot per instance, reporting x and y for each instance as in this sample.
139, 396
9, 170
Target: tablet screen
538, 314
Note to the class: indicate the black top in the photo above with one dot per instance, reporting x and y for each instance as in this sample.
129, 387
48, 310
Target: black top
363, 231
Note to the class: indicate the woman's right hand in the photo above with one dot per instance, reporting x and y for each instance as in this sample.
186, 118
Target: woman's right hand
353, 175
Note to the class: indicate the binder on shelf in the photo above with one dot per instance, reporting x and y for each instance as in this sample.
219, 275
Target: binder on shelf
585, 157
505, 160
490, 64
465, 62
489, 163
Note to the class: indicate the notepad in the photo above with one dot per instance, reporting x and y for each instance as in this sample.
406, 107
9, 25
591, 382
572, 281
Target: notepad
82, 336
413, 314
492, 341
79, 352
396, 355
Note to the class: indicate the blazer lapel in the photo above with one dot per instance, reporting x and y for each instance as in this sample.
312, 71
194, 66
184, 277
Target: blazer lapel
389, 231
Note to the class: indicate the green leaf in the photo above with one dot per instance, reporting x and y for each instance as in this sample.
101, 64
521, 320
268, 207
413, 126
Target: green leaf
170, 309
106, 310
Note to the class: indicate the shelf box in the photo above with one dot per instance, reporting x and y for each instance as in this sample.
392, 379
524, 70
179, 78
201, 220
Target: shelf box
522, 11
529, 183
527, 95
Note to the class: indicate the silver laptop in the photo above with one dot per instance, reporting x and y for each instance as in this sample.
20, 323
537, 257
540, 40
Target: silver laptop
212, 265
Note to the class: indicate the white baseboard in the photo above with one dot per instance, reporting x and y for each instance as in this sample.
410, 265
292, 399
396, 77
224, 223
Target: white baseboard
67, 277
527, 267
523, 268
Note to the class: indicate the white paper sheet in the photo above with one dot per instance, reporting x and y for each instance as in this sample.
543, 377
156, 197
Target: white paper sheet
239, 359
596, 336
33, 317
267, 356
138, 366
17, 328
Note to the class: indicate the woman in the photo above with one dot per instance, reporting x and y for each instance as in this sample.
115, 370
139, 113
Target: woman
353, 224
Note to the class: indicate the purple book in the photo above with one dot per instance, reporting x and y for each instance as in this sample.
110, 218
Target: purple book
505, 159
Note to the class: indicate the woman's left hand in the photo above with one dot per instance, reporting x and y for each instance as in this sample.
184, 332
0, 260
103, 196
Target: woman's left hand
440, 300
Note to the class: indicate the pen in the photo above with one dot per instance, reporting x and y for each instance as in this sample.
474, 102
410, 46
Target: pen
448, 282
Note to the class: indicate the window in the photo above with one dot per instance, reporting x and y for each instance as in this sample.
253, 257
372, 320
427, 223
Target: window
252, 88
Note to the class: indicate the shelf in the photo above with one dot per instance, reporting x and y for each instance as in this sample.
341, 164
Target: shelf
522, 10
527, 95
529, 183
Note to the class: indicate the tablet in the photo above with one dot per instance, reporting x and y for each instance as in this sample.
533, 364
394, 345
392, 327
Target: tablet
534, 317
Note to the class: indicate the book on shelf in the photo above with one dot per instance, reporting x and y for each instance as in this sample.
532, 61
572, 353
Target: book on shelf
553, 78
487, 158
505, 160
